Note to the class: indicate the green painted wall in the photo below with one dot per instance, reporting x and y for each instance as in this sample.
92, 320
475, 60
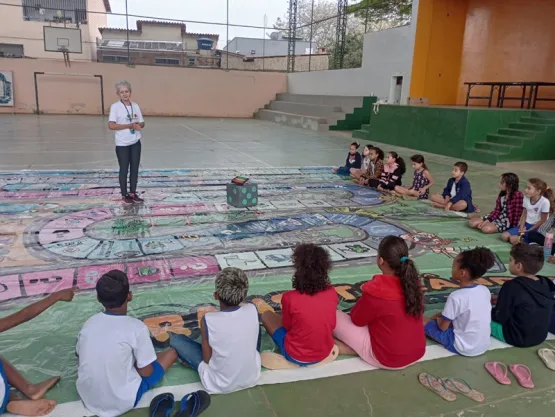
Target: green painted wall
442, 130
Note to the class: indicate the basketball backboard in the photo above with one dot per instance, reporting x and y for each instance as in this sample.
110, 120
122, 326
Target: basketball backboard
59, 39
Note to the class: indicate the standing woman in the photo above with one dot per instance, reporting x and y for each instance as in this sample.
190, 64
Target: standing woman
127, 120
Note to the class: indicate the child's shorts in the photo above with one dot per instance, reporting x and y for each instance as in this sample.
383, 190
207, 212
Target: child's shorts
497, 331
150, 381
279, 339
515, 231
445, 338
4, 382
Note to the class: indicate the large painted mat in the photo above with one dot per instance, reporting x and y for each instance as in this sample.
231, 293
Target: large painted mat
63, 229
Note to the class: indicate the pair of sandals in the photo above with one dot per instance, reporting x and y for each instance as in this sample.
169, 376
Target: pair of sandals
192, 405
447, 388
499, 371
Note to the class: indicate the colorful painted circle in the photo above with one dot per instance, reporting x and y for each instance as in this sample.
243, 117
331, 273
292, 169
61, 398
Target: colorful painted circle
230, 199
253, 189
235, 191
244, 190
249, 195
254, 200
244, 201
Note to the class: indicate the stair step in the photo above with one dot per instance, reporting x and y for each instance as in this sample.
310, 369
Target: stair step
528, 126
482, 155
538, 120
296, 120
517, 141
544, 114
305, 109
365, 127
516, 132
348, 103
361, 134
496, 147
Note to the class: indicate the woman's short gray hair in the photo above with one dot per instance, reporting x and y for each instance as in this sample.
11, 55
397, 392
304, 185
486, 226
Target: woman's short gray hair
123, 84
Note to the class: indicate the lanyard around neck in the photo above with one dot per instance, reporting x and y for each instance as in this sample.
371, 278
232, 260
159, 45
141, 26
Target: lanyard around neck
129, 116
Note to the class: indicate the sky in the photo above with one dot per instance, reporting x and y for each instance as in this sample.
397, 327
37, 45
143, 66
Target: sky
241, 12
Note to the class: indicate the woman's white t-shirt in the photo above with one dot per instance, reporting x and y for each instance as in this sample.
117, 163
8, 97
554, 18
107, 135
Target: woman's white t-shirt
122, 115
535, 211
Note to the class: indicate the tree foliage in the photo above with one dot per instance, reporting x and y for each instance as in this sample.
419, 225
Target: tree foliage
382, 14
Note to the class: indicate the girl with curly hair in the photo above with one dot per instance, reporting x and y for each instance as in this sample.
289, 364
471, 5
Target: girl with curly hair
463, 327
304, 331
385, 327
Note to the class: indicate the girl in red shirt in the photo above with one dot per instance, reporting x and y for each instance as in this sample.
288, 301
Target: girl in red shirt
304, 331
385, 327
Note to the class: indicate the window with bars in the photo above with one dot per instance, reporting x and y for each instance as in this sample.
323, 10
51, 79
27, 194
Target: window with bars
166, 61
119, 59
62, 11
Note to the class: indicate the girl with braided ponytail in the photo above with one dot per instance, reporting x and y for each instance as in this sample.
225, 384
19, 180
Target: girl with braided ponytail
385, 327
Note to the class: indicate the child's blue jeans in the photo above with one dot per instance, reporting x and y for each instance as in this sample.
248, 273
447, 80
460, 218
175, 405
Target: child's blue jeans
343, 171
190, 351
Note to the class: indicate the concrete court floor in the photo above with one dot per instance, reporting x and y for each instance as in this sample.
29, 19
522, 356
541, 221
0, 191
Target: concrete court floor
83, 142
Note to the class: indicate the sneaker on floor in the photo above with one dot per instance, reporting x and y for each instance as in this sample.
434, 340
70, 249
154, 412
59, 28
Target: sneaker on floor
126, 199
135, 197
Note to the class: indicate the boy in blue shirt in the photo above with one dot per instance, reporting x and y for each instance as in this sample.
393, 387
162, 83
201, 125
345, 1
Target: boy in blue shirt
457, 195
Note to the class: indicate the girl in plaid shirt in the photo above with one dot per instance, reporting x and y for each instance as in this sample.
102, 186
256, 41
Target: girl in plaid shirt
508, 208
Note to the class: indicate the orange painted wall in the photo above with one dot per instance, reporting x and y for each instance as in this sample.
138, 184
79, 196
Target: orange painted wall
509, 40
437, 50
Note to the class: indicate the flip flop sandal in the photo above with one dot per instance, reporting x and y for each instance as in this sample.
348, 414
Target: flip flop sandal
162, 405
436, 385
523, 375
194, 404
548, 357
458, 385
499, 371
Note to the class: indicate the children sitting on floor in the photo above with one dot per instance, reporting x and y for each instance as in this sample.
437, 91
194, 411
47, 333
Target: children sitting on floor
508, 208
385, 327
394, 169
464, 325
227, 360
457, 195
34, 404
524, 308
372, 175
421, 182
357, 173
304, 331
354, 160
537, 206
117, 362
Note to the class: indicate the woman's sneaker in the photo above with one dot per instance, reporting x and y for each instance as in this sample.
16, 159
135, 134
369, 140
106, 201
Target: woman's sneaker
135, 198
127, 199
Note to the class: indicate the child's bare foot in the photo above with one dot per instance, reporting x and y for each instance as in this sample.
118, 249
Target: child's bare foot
37, 391
31, 408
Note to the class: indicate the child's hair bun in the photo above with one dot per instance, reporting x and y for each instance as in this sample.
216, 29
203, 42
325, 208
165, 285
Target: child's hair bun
355, 144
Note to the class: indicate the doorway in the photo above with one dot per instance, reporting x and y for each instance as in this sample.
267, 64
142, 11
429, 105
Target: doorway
395, 89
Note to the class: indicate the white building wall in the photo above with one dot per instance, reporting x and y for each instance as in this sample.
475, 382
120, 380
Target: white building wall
386, 53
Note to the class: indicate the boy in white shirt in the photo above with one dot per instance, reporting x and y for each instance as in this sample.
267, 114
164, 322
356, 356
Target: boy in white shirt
117, 362
464, 325
228, 358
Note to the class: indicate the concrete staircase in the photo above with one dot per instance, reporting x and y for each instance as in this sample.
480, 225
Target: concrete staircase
318, 113
530, 139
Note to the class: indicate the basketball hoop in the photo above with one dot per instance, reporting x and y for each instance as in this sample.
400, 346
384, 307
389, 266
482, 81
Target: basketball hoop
65, 40
65, 53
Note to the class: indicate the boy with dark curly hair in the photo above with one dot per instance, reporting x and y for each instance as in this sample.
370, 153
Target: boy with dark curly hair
304, 331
